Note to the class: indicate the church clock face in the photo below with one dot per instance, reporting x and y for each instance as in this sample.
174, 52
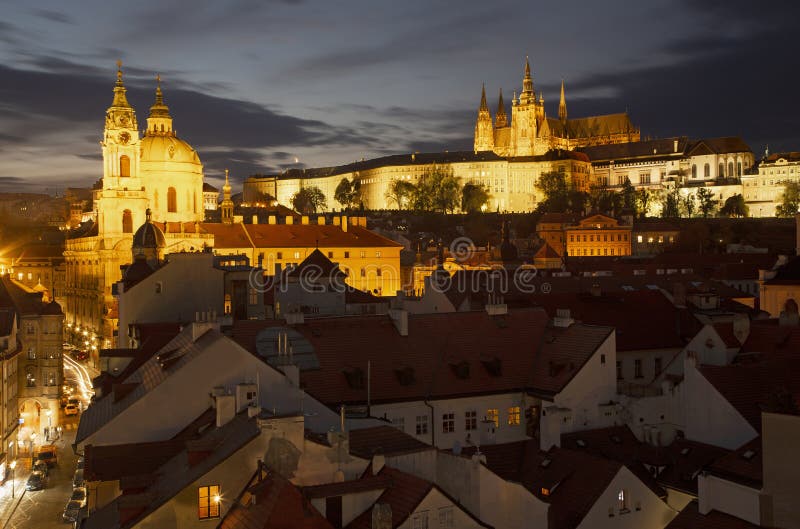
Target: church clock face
124, 138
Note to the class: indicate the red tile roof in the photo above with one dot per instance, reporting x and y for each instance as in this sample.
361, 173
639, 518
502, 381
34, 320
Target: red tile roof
403, 496
751, 387
574, 480
113, 462
743, 465
386, 440
531, 355
771, 339
690, 518
365, 483
278, 505
294, 236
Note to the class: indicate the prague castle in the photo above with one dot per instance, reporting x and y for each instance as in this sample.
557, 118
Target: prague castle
531, 132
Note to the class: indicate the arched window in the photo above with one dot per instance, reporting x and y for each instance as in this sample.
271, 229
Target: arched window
172, 200
127, 221
706, 171
694, 171
738, 168
730, 169
124, 166
721, 170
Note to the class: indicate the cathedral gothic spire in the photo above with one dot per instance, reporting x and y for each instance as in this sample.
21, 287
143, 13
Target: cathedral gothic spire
527, 81
562, 105
483, 107
484, 131
501, 120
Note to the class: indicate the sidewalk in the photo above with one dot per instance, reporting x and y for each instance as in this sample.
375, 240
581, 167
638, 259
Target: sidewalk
8, 504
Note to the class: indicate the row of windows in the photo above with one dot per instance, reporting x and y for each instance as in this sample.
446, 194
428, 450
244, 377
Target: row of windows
591, 252
651, 239
49, 379
513, 418
637, 368
606, 238
331, 255
720, 170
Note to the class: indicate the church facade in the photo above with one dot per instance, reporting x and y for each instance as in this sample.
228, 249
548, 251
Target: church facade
532, 133
156, 170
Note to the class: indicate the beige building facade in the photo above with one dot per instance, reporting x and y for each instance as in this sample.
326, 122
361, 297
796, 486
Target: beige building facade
763, 192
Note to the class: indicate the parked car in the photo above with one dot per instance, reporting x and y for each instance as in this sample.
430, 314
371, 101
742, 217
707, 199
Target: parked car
80, 463
41, 466
71, 511
79, 495
36, 481
77, 480
70, 409
48, 454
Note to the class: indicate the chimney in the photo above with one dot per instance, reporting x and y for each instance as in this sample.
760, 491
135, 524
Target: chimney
304, 219
381, 516
226, 409
289, 220
272, 219
344, 223
400, 320
741, 327
495, 305
378, 462
675, 145
563, 318
246, 395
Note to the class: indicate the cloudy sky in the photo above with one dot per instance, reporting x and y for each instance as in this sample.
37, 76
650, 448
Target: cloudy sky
254, 84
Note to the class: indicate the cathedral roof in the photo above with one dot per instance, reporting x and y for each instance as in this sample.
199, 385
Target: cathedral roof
591, 126
167, 149
637, 149
149, 235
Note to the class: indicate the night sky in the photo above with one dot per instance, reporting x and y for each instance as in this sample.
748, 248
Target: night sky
255, 84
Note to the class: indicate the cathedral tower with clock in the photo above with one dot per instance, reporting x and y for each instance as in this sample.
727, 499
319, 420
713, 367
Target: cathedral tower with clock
152, 176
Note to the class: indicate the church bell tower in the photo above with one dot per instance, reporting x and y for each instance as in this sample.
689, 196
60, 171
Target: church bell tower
484, 131
121, 144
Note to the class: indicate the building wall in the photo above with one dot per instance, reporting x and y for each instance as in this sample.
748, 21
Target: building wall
429, 510
710, 418
764, 192
780, 439
714, 493
773, 297
644, 508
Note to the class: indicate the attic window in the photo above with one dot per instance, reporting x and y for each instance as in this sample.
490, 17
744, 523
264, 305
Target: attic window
461, 369
545, 491
616, 439
493, 366
354, 376
545, 462
405, 376
749, 454
685, 451
581, 443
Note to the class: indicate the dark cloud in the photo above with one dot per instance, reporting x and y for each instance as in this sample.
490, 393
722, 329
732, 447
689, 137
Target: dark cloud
53, 16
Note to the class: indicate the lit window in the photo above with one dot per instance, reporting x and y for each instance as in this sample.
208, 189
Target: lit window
513, 416
347, 255
297, 255
622, 500
363, 254
493, 414
19, 276
208, 500
639, 238
377, 254
446, 518
448, 422
422, 425
421, 520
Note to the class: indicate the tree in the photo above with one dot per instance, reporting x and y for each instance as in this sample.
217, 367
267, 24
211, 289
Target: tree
348, 193
707, 202
437, 189
734, 207
474, 197
790, 201
688, 204
309, 200
401, 193
628, 196
643, 197
670, 206
558, 195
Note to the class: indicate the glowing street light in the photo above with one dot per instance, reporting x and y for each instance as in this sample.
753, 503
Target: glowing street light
12, 466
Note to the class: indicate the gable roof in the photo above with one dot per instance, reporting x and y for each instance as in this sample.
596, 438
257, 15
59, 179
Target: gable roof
295, 236
530, 355
650, 149
592, 126
316, 266
23, 300
270, 501
386, 440
690, 518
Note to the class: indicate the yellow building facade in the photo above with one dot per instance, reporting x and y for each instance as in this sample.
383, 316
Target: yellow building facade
763, 192
598, 235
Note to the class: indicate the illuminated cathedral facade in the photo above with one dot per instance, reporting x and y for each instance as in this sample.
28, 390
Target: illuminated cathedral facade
530, 132
155, 170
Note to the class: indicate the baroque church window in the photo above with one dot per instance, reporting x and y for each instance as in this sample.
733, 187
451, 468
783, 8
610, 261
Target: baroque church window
707, 171
172, 200
721, 170
127, 221
124, 166
730, 169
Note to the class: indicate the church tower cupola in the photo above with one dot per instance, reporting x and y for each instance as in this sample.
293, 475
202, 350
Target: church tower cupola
159, 122
226, 208
484, 131
121, 145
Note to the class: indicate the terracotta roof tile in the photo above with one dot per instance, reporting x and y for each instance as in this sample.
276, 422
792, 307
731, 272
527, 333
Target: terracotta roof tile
409, 367
386, 440
743, 465
690, 518
403, 496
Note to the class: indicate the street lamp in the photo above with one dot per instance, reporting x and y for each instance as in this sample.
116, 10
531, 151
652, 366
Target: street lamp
49, 413
12, 465
33, 438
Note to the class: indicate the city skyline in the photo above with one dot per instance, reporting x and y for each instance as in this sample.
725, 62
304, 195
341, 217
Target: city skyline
255, 86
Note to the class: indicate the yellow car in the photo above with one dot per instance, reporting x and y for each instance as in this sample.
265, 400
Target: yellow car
70, 409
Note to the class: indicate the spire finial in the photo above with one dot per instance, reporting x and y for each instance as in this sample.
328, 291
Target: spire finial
148, 215
226, 177
484, 106
501, 119
159, 93
562, 105
527, 81
527, 68
119, 70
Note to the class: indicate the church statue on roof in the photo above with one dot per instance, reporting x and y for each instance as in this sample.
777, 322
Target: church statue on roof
532, 133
